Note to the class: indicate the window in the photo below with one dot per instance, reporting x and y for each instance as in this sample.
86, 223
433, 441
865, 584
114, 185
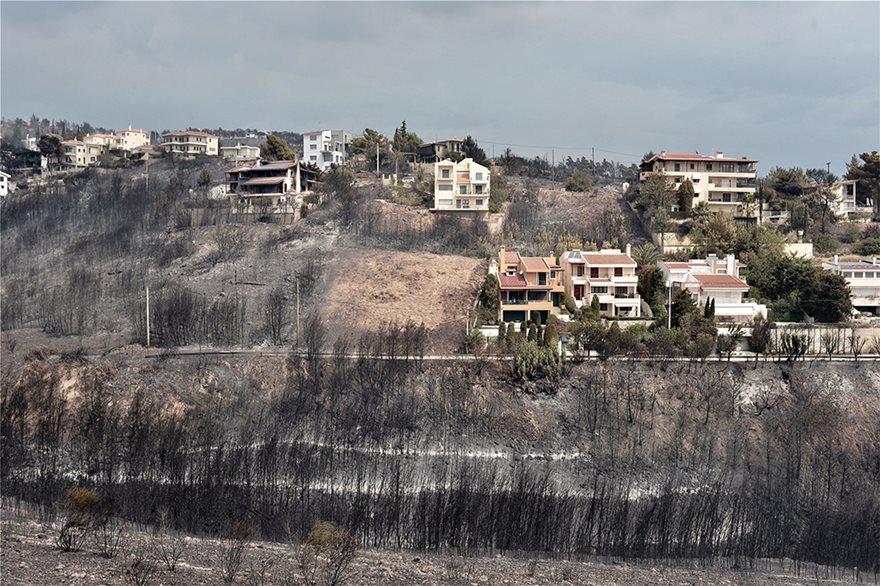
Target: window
478, 176
692, 166
313, 158
479, 188
858, 275
618, 271
708, 166
445, 188
552, 274
695, 180
444, 174
542, 278
727, 168
313, 147
580, 271
677, 167
478, 202
465, 204
603, 307
599, 290
594, 272
620, 291
462, 189
458, 203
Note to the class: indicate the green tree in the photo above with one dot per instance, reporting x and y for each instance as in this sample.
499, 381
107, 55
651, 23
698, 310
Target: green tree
826, 297
276, 149
551, 333
684, 308
489, 293
716, 235
204, 181
510, 336
580, 180
867, 175
655, 194
533, 333
367, 143
868, 247
50, 146
759, 341
788, 183
595, 308
404, 141
646, 255
686, 197
472, 150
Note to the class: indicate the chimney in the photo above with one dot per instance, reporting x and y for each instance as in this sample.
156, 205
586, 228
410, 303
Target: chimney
731, 265
711, 260
719, 155
629, 249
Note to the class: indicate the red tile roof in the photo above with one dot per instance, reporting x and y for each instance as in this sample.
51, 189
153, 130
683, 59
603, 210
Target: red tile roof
596, 258
508, 281
511, 258
721, 282
696, 157
535, 263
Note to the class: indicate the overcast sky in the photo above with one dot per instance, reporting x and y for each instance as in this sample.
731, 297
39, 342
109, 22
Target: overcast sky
788, 83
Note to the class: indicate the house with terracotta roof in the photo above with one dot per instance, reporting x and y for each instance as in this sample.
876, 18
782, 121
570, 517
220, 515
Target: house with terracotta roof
108, 141
268, 184
863, 277
716, 279
609, 274
724, 183
190, 142
461, 187
240, 152
530, 287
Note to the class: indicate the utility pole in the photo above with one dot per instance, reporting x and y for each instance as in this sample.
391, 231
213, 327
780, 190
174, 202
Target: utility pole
148, 174
148, 315
593, 157
828, 164
669, 306
553, 164
377, 157
467, 323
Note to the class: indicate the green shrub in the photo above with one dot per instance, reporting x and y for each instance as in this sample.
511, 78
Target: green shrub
868, 247
825, 244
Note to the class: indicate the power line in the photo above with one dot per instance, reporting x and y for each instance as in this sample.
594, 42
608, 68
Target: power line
561, 148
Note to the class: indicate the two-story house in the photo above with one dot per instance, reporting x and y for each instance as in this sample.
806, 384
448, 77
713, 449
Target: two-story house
724, 183
609, 274
863, 277
4, 183
80, 154
432, 152
130, 138
530, 287
240, 152
326, 147
717, 279
461, 187
190, 142
268, 184
107, 141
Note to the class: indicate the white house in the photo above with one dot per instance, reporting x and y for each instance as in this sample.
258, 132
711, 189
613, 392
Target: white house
4, 184
326, 147
716, 279
240, 152
863, 277
190, 142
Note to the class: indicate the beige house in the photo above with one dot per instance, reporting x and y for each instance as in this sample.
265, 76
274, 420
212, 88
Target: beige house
190, 142
130, 138
717, 279
530, 287
724, 183
863, 277
108, 141
80, 154
4, 183
461, 187
609, 274
240, 152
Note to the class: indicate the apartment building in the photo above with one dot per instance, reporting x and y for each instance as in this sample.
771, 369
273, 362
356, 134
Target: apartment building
326, 147
609, 274
433, 152
461, 187
714, 278
190, 142
863, 277
268, 184
240, 152
722, 182
80, 154
530, 287
130, 138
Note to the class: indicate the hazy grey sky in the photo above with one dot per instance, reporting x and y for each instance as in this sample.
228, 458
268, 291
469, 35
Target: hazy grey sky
787, 83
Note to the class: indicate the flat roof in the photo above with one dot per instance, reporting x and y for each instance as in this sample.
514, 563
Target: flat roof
696, 157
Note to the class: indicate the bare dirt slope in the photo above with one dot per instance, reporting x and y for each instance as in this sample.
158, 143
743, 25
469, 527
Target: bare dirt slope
28, 555
370, 288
